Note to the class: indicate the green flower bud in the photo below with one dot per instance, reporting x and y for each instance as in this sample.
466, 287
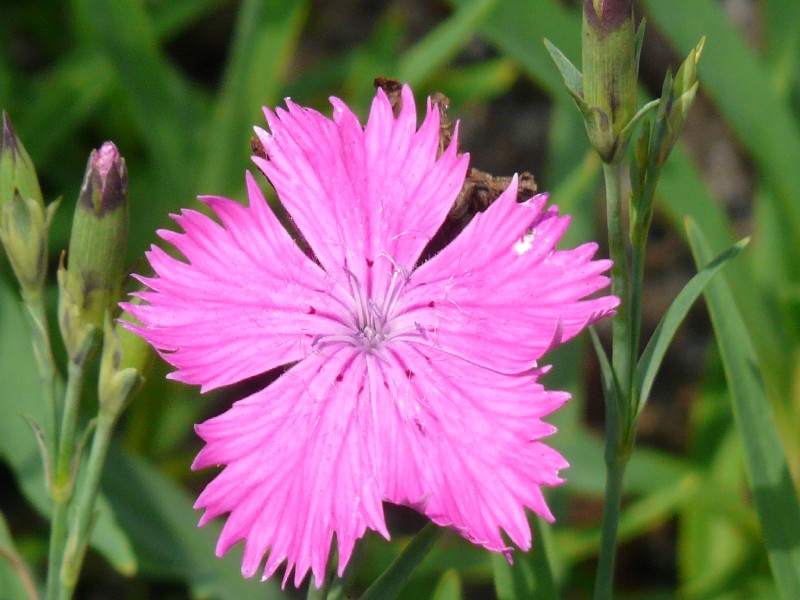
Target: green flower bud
125, 360
17, 174
676, 100
24, 221
23, 231
610, 65
90, 284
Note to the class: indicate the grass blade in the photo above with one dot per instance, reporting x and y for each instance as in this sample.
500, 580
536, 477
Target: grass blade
442, 44
653, 354
267, 32
738, 82
768, 473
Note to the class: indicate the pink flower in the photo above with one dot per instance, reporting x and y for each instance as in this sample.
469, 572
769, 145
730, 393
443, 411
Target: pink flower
409, 383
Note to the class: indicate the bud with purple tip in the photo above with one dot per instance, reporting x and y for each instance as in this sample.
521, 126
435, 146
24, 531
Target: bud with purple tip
90, 284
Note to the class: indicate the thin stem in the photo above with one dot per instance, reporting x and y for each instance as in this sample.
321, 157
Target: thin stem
619, 438
620, 282
83, 511
64, 477
608, 539
639, 231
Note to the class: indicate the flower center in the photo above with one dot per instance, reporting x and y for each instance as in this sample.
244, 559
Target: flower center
371, 320
373, 315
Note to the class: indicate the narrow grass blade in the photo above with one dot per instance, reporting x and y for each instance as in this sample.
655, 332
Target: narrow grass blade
768, 473
170, 17
449, 587
391, 582
738, 82
653, 354
266, 36
611, 389
517, 28
442, 44
164, 104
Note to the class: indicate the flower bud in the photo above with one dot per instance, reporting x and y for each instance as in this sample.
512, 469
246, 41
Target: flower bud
90, 285
24, 221
676, 100
23, 232
124, 363
610, 65
17, 174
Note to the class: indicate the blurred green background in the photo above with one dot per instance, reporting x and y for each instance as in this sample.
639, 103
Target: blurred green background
178, 85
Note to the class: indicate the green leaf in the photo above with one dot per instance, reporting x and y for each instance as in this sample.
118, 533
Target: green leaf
443, 43
573, 79
612, 393
449, 587
653, 354
768, 473
266, 36
391, 582
17, 442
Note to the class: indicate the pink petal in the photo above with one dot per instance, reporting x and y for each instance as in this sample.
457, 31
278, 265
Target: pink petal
500, 295
359, 194
248, 301
297, 468
460, 443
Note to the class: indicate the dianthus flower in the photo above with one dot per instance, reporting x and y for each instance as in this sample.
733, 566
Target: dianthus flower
409, 383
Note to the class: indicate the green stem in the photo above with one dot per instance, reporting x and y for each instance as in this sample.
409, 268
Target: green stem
639, 231
619, 437
621, 358
83, 510
604, 582
64, 477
